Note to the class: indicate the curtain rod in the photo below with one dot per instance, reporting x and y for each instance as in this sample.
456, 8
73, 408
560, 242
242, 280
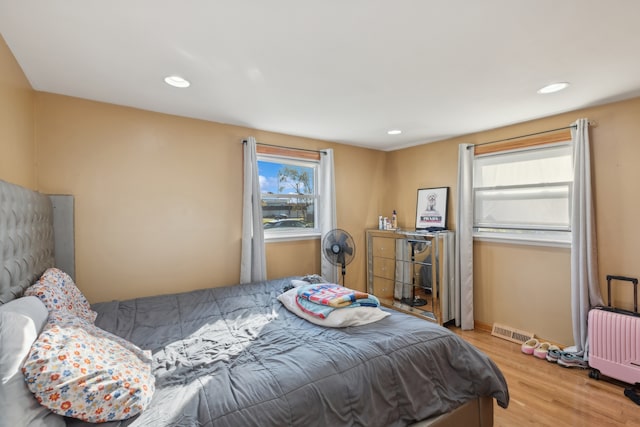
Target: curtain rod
244, 141
521, 136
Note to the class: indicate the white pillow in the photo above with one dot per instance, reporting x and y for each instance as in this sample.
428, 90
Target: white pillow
21, 321
296, 283
338, 318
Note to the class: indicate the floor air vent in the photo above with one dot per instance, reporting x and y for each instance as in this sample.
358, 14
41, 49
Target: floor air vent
511, 334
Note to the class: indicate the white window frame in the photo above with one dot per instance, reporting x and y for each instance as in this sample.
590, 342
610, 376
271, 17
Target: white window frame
274, 235
558, 236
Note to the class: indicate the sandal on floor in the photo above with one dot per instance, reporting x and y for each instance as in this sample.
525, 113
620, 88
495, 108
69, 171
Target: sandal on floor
529, 346
541, 351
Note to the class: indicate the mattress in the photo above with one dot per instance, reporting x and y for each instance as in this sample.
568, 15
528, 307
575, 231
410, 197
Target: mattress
234, 356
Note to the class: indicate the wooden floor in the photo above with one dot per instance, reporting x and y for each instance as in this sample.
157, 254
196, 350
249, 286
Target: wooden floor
546, 394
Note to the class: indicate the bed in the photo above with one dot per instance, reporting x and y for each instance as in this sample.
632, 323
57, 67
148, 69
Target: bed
235, 356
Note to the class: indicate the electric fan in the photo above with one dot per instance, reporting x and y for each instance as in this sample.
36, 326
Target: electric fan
338, 248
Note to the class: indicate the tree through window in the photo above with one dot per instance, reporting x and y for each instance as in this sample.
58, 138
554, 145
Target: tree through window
288, 193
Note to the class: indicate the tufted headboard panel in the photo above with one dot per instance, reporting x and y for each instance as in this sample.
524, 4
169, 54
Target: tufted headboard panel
26, 239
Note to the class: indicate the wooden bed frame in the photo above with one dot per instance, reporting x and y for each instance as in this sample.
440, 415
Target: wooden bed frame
26, 251
474, 413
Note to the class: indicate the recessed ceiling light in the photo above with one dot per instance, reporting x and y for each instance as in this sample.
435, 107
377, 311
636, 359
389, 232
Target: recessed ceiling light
553, 87
394, 132
177, 81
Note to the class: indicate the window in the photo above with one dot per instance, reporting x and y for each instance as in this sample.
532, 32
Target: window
524, 194
289, 196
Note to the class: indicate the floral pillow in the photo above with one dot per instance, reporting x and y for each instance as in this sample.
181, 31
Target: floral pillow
61, 317
57, 291
78, 370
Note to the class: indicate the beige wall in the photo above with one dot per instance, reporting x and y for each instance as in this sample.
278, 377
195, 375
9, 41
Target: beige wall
528, 286
17, 144
159, 197
158, 200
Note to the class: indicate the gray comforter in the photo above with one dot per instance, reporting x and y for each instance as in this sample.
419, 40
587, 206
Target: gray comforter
235, 356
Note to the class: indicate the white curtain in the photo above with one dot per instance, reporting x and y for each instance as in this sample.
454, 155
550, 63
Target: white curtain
253, 265
327, 201
585, 289
449, 275
463, 290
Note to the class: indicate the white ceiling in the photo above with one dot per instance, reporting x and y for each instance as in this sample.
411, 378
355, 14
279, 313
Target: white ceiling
337, 70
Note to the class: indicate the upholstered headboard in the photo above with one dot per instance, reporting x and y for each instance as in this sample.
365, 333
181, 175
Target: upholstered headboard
26, 238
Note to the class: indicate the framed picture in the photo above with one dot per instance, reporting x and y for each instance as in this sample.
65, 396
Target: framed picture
431, 209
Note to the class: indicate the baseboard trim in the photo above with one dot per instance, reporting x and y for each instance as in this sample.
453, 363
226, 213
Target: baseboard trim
485, 327
482, 326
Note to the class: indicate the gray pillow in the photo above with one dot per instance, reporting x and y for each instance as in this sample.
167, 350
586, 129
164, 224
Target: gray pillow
21, 321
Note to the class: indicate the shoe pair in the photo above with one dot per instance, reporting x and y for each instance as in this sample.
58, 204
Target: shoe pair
538, 349
554, 354
633, 393
571, 360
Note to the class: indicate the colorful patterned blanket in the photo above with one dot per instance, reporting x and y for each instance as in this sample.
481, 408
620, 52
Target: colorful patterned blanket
321, 299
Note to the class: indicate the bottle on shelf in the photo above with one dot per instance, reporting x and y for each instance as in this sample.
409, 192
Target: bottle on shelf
394, 220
